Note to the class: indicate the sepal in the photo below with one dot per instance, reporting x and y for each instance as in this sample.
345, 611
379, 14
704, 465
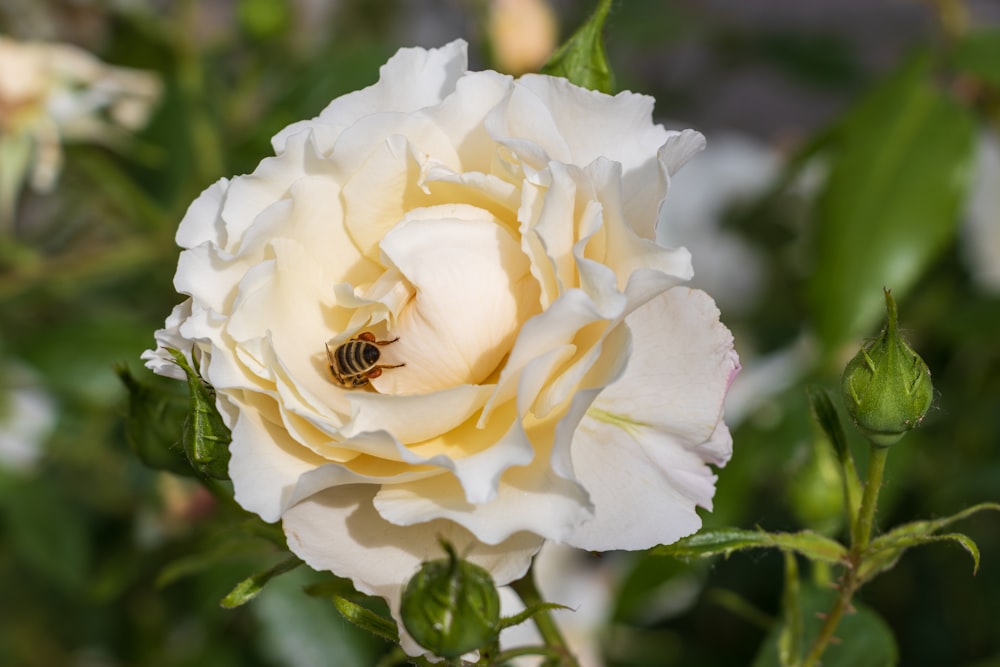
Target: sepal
366, 619
153, 425
205, 438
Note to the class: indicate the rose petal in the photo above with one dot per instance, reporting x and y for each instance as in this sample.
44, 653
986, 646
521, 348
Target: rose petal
265, 463
682, 364
339, 530
412, 419
591, 124
202, 222
159, 360
472, 292
647, 437
643, 484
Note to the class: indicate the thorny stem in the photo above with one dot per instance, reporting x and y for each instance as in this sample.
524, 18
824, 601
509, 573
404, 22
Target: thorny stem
861, 533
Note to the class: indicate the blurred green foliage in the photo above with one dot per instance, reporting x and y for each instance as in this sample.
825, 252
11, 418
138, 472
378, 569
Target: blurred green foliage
104, 561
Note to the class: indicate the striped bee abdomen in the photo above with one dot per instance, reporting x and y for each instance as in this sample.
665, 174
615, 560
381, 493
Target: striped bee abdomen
355, 362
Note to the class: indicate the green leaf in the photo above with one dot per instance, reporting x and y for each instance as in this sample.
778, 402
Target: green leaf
206, 437
367, 620
727, 540
892, 200
886, 549
978, 53
582, 59
250, 587
153, 425
790, 634
867, 639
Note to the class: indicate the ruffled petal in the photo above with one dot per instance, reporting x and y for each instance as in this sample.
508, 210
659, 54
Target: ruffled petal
472, 291
339, 530
265, 463
682, 364
412, 79
648, 437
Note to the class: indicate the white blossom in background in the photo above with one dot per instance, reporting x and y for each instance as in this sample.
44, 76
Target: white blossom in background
53, 93
981, 232
27, 418
734, 168
547, 374
580, 581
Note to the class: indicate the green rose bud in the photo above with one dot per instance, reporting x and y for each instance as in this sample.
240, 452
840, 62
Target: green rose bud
887, 386
451, 606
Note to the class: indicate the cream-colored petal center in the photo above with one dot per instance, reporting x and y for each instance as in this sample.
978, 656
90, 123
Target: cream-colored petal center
471, 292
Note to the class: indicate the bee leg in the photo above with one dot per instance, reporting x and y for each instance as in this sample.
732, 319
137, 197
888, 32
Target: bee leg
367, 336
384, 342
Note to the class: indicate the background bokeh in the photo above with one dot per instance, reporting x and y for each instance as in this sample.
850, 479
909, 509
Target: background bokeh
105, 562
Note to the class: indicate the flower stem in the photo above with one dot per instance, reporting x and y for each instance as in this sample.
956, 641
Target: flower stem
861, 533
862, 530
528, 592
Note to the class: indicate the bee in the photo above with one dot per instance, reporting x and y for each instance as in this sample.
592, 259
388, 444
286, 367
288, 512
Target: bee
355, 362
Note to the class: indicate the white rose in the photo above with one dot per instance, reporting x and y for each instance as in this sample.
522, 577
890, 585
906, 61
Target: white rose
557, 384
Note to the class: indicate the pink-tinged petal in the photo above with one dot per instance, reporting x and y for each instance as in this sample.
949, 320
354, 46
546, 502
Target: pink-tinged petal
340, 531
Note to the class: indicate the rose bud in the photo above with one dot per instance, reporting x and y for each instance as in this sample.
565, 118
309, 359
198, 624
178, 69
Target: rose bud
451, 606
887, 386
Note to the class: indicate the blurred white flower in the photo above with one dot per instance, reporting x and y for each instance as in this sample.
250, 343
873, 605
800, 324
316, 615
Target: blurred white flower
732, 168
27, 417
981, 233
578, 580
50, 93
